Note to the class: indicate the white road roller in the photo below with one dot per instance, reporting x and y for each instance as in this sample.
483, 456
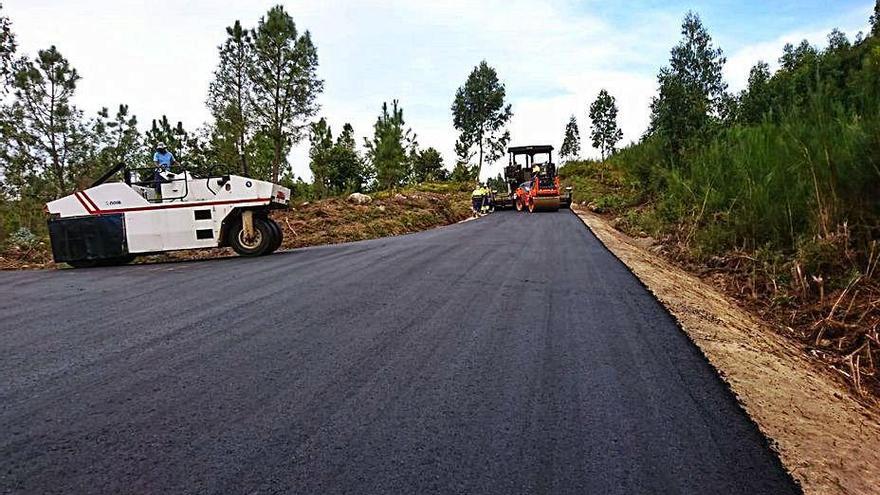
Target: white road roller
112, 222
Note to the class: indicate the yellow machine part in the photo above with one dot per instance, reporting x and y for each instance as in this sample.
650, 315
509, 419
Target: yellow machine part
544, 203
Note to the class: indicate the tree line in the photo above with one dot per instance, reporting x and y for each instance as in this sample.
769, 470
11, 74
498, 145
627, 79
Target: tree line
787, 160
262, 97
263, 100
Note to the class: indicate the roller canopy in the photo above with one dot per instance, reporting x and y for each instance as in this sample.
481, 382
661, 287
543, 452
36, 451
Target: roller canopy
530, 150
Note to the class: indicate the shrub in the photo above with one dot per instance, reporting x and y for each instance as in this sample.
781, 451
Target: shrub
23, 238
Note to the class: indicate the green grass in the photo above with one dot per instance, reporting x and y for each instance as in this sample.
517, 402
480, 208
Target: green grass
604, 187
775, 184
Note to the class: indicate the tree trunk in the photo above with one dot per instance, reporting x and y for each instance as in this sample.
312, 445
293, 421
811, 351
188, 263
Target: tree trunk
56, 165
276, 162
242, 155
480, 164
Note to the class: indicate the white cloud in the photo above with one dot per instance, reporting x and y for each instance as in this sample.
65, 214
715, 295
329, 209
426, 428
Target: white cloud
740, 62
554, 56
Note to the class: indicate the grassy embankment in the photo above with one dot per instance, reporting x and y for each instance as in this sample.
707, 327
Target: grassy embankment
784, 215
326, 221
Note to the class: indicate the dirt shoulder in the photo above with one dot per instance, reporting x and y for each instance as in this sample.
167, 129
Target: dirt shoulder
828, 441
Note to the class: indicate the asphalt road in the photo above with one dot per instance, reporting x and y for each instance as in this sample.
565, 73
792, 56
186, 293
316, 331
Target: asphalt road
512, 354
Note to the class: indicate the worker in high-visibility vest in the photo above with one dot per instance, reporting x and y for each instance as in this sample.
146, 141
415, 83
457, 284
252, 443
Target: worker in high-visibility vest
478, 198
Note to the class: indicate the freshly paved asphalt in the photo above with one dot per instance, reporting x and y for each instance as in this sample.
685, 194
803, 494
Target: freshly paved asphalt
512, 354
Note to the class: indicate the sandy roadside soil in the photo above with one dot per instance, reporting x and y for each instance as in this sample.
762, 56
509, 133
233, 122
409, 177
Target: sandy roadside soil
827, 440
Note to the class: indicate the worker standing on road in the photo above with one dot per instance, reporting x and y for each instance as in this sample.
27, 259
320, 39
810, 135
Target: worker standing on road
485, 207
163, 160
478, 198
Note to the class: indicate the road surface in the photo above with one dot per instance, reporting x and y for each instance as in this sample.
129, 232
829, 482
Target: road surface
512, 354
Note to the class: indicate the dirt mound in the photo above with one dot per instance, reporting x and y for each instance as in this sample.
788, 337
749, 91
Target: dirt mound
336, 220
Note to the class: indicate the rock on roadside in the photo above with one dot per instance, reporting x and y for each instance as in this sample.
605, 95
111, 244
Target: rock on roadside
359, 198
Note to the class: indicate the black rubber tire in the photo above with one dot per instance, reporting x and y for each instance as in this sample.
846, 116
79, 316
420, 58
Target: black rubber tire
518, 204
264, 239
279, 236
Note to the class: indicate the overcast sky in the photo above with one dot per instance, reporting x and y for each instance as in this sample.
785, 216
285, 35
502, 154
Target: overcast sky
553, 56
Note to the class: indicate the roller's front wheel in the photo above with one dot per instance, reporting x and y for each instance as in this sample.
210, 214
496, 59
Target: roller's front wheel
257, 244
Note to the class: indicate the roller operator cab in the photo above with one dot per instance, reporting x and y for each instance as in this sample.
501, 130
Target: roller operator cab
113, 222
532, 181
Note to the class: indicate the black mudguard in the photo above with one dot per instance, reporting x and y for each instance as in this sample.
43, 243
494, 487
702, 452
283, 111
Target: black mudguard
91, 238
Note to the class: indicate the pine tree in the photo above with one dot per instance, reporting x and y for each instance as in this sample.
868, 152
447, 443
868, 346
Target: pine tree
7, 51
755, 100
321, 139
875, 20
229, 98
464, 173
481, 117
692, 89
571, 143
390, 147
119, 139
428, 166
285, 82
347, 171
48, 120
605, 133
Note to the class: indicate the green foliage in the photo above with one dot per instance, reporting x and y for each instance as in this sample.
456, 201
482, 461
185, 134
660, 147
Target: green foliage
229, 99
48, 132
464, 173
118, 139
605, 134
191, 149
321, 139
875, 20
348, 172
773, 183
23, 238
263, 92
801, 159
599, 184
757, 98
285, 82
300, 190
444, 187
644, 162
571, 143
7, 51
336, 167
427, 165
497, 184
390, 147
481, 117
692, 90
